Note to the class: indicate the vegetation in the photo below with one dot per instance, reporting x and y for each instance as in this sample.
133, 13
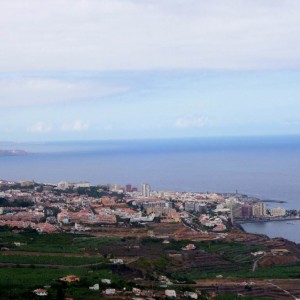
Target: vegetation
53, 243
18, 283
50, 260
274, 272
150, 258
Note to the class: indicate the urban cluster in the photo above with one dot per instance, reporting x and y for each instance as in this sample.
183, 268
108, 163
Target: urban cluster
82, 207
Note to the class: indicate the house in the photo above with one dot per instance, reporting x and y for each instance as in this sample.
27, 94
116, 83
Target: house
106, 281
257, 253
220, 228
170, 293
40, 292
116, 261
163, 278
109, 292
136, 291
279, 251
189, 247
95, 287
191, 295
69, 278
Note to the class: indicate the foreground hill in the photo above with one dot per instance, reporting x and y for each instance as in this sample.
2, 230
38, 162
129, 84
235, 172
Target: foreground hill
209, 268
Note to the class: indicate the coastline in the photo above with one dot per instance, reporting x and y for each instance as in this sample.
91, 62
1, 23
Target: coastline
274, 228
265, 220
273, 201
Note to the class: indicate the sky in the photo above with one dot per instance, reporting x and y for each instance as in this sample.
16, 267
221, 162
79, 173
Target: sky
131, 69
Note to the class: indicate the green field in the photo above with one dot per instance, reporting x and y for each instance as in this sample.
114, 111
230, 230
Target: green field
18, 283
54, 243
42, 259
50, 260
274, 272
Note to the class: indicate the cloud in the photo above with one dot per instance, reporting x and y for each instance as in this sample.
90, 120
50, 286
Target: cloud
141, 35
40, 90
191, 121
77, 125
40, 127
43, 127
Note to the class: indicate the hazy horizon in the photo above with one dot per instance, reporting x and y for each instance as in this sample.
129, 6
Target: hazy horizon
155, 139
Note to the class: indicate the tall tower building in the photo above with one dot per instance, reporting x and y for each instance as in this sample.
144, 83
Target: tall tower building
259, 209
236, 211
128, 188
146, 190
246, 210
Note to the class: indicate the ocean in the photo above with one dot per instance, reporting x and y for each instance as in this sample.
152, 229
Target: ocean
265, 167
286, 229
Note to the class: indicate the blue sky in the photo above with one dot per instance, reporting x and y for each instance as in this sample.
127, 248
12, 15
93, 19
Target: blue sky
88, 70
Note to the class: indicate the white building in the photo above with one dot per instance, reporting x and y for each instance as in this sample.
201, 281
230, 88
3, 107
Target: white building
63, 185
83, 184
110, 291
139, 218
278, 212
116, 188
170, 293
191, 295
95, 287
259, 209
146, 189
106, 281
40, 292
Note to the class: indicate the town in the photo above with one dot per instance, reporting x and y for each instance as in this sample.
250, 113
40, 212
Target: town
80, 206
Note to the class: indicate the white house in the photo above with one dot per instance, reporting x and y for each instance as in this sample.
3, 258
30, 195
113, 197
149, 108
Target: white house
40, 292
95, 287
109, 291
170, 293
106, 281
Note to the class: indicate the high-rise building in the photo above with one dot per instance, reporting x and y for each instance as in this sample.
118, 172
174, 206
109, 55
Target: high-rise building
259, 209
146, 190
246, 210
189, 205
195, 206
115, 187
128, 188
235, 211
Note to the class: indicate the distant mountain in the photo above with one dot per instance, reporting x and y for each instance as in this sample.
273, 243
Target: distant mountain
13, 152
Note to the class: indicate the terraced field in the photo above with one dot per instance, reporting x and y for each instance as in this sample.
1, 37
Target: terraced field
31, 260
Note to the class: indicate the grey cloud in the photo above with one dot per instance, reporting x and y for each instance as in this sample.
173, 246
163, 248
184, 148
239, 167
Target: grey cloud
141, 35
